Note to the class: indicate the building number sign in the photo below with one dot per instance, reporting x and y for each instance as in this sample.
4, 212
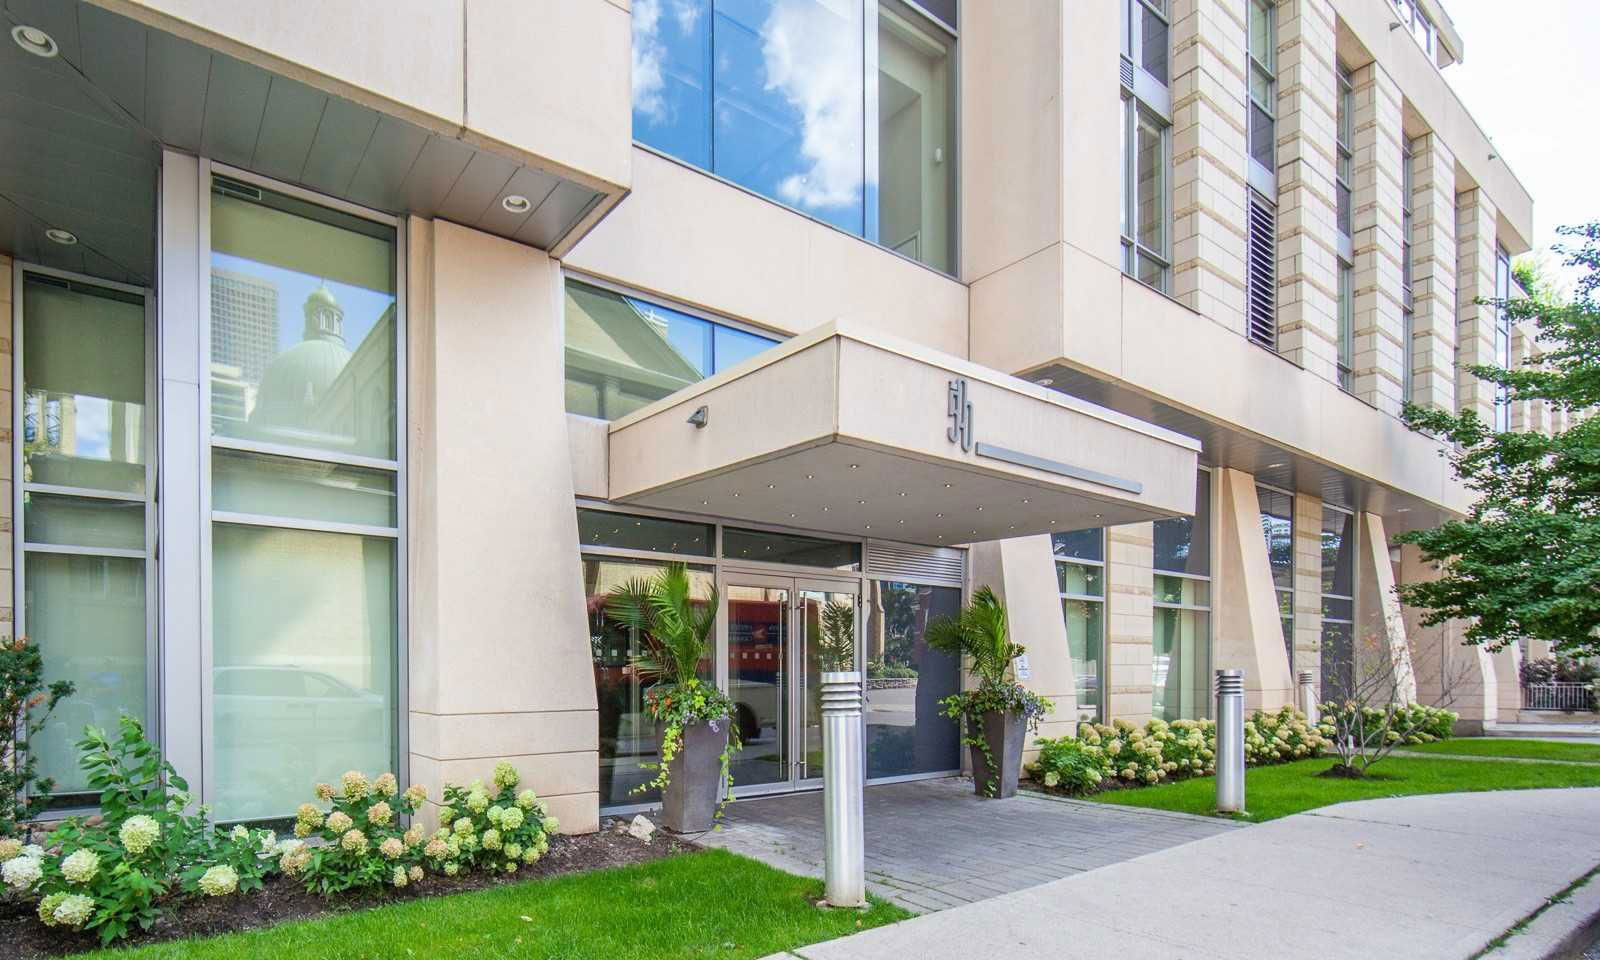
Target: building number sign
959, 409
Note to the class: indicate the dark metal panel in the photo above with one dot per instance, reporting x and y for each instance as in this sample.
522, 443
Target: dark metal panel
482, 183
438, 167
54, 17
175, 89
550, 222
236, 96
114, 57
390, 156
536, 185
288, 127
341, 141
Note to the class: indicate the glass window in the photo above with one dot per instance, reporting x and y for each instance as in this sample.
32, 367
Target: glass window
1277, 527
906, 679
1183, 544
1502, 336
85, 489
1145, 41
603, 528
623, 353
916, 137
244, 482
1080, 574
1146, 148
1263, 83
1181, 653
1338, 603
629, 740
1344, 127
792, 548
302, 324
1347, 326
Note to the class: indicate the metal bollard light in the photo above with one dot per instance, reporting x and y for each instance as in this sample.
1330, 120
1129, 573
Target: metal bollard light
843, 785
1230, 741
1308, 695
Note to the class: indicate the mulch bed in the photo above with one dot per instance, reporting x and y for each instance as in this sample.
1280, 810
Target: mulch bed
283, 899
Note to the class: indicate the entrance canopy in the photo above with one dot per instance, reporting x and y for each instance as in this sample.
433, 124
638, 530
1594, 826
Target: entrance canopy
849, 431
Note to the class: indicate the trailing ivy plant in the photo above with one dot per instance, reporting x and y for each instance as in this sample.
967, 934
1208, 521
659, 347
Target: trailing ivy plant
26, 702
675, 630
979, 633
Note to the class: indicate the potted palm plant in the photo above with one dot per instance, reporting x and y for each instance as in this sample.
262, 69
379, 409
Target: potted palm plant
997, 715
697, 737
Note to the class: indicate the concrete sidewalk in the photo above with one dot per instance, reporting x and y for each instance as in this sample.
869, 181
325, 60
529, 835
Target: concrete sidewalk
1417, 877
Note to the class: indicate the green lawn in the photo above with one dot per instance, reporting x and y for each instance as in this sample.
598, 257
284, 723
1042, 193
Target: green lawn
1278, 791
705, 904
1521, 749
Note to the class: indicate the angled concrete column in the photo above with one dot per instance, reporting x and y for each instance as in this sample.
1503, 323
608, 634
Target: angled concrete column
1022, 573
1379, 297
1475, 254
1308, 586
500, 665
1308, 282
1248, 634
1433, 281
1130, 621
1448, 673
1208, 158
1378, 614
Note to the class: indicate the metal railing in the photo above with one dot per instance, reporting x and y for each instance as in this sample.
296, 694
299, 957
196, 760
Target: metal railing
1557, 695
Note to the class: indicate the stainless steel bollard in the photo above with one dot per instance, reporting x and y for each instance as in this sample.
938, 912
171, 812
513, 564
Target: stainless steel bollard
843, 785
1308, 695
1230, 741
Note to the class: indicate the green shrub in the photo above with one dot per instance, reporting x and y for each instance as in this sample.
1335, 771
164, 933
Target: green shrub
1281, 736
364, 845
1068, 764
26, 703
498, 832
1188, 747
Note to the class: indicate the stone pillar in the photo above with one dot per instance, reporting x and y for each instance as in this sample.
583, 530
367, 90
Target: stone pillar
500, 665
1449, 673
1378, 614
1248, 634
1308, 280
1130, 621
1475, 254
1308, 585
1022, 573
1376, 185
1208, 158
1433, 278
7, 398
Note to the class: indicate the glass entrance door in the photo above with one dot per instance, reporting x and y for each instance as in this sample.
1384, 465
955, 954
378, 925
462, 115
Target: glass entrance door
782, 635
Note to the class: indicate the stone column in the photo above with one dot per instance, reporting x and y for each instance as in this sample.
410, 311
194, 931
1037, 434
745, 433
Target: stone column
1378, 613
1376, 186
1308, 585
1448, 673
1248, 634
1308, 280
1475, 255
7, 398
1208, 158
1433, 279
1130, 621
500, 665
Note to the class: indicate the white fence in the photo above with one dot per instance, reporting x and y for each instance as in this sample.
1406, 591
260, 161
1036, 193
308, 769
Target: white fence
1557, 696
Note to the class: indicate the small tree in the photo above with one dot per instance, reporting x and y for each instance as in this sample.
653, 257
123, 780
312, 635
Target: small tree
27, 702
1366, 722
1525, 561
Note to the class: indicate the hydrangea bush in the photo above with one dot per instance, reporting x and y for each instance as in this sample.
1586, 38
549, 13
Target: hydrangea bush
1363, 734
495, 828
364, 843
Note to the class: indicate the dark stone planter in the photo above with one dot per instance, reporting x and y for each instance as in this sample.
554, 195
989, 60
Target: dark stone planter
694, 779
1004, 734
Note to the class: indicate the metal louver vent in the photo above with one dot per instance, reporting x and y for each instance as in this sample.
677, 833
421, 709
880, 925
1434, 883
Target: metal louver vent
1127, 71
1261, 274
901, 561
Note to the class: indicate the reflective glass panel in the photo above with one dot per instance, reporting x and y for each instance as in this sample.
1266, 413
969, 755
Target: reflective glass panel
88, 616
1182, 591
83, 385
758, 681
1085, 636
603, 528
906, 679
916, 137
1338, 552
1183, 544
1151, 174
1081, 579
1277, 527
303, 679
301, 489
302, 324
1338, 660
672, 77
1181, 664
1153, 38
1079, 544
82, 521
828, 629
769, 547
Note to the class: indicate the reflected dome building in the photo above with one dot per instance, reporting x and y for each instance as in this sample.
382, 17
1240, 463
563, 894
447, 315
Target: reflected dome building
299, 379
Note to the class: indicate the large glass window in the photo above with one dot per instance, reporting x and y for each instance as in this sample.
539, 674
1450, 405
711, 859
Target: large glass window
1081, 581
1146, 143
87, 510
623, 353
906, 679
792, 548
1344, 214
305, 569
1182, 640
1277, 527
1502, 336
773, 95
1263, 84
1408, 299
1338, 603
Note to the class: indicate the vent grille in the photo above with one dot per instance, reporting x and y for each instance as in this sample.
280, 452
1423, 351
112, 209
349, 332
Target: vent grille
1261, 279
1127, 72
901, 561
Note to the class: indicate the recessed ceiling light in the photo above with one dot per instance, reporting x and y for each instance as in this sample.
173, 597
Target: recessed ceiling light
705, 503
1275, 466
516, 203
1046, 381
980, 509
770, 487
64, 237
855, 466
1026, 500
947, 486
939, 516
862, 502
869, 526
810, 477
791, 516
902, 522
902, 493
1097, 516
34, 40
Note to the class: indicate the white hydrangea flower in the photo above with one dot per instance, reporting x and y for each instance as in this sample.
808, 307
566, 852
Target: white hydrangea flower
386, 785
219, 881
354, 841
21, 873
415, 873
494, 814
505, 775
380, 813
491, 839
239, 832
399, 878
138, 833
73, 910
526, 799
391, 848
355, 784
510, 819
338, 821
551, 825
477, 801
80, 866
10, 847
452, 868
32, 850
1052, 779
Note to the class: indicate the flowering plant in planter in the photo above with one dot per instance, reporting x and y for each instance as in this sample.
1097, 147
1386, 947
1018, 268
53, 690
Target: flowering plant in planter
675, 629
365, 845
498, 830
980, 634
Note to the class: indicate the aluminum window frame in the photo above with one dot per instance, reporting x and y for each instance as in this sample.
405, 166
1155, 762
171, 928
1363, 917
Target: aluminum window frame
1208, 579
1408, 226
1288, 639
1263, 63
151, 553
209, 517
1102, 686
1502, 336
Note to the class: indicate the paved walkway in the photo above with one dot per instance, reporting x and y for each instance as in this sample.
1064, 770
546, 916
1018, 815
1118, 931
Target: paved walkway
932, 844
1418, 877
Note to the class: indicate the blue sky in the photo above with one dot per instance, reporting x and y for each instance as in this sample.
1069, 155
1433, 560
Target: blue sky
362, 307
